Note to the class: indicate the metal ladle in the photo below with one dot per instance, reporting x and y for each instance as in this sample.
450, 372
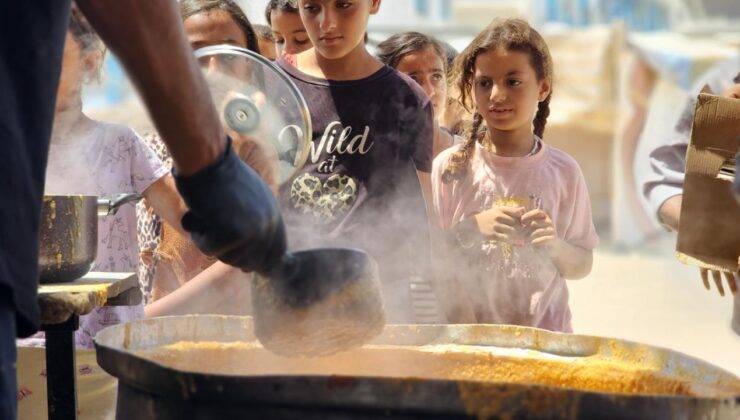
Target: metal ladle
313, 302
318, 302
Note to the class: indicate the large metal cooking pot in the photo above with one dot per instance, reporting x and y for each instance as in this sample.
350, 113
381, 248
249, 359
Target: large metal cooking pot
68, 233
149, 390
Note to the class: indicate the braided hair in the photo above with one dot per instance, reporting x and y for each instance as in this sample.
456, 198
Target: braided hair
509, 35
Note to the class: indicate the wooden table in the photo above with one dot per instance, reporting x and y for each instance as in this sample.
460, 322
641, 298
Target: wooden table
61, 306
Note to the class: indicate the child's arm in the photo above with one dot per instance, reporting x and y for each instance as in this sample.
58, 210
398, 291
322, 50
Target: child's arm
573, 262
447, 253
163, 198
204, 293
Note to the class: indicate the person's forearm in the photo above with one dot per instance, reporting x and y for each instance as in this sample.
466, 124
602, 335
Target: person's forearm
573, 262
670, 212
163, 198
149, 40
203, 294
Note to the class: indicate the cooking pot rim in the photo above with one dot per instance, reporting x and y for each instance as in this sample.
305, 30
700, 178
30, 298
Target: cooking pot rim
112, 358
187, 384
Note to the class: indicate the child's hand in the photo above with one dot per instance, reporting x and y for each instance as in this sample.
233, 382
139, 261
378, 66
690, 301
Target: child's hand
259, 157
732, 92
540, 229
732, 280
500, 223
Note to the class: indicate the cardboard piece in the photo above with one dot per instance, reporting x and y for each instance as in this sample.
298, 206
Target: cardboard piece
709, 232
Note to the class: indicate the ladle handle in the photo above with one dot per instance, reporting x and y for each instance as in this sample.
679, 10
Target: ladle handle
286, 268
108, 206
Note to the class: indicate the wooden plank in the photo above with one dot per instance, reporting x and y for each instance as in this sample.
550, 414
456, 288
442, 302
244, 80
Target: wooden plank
112, 283
59, 301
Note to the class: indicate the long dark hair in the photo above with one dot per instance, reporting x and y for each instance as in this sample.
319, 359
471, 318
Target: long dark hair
190, 8
510, 35
394, 49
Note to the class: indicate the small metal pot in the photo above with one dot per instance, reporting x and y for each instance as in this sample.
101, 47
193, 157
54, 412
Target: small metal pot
68, 233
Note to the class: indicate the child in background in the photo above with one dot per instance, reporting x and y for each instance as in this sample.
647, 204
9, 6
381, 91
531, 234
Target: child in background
514, 210
94, 158
372, 131
177, 277
287, 28
424, 59
266, 41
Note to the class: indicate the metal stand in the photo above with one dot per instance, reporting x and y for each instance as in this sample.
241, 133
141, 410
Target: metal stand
61, 367
61, 383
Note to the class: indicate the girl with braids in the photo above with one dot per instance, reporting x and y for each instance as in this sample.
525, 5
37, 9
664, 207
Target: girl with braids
515, 209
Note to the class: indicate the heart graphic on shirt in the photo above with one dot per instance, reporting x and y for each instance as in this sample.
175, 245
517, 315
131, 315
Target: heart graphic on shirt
324, 200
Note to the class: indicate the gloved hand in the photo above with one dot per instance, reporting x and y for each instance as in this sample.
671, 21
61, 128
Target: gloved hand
232, 214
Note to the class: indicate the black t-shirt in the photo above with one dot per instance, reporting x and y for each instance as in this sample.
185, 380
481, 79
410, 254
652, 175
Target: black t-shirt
359, 187
31, 45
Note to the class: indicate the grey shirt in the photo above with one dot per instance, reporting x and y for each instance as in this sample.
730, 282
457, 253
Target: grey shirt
668, 161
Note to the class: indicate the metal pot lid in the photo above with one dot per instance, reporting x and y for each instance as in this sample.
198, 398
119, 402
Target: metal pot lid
257, 99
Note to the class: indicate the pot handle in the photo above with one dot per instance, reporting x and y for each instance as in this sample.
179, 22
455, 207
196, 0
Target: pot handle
108, 206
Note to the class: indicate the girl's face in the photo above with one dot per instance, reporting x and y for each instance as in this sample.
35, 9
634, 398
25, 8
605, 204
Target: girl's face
213, 28
336, 27
77, 67
506, 90
290, 35
426, 67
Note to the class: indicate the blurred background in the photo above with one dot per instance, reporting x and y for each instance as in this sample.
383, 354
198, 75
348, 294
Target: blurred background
623, 70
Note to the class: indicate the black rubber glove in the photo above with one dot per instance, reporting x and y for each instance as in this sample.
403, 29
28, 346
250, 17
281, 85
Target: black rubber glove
233, 215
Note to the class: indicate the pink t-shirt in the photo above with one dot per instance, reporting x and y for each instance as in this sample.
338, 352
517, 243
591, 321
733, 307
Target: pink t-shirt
516, 283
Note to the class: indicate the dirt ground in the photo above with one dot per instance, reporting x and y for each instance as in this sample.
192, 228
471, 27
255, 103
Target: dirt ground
644, 294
